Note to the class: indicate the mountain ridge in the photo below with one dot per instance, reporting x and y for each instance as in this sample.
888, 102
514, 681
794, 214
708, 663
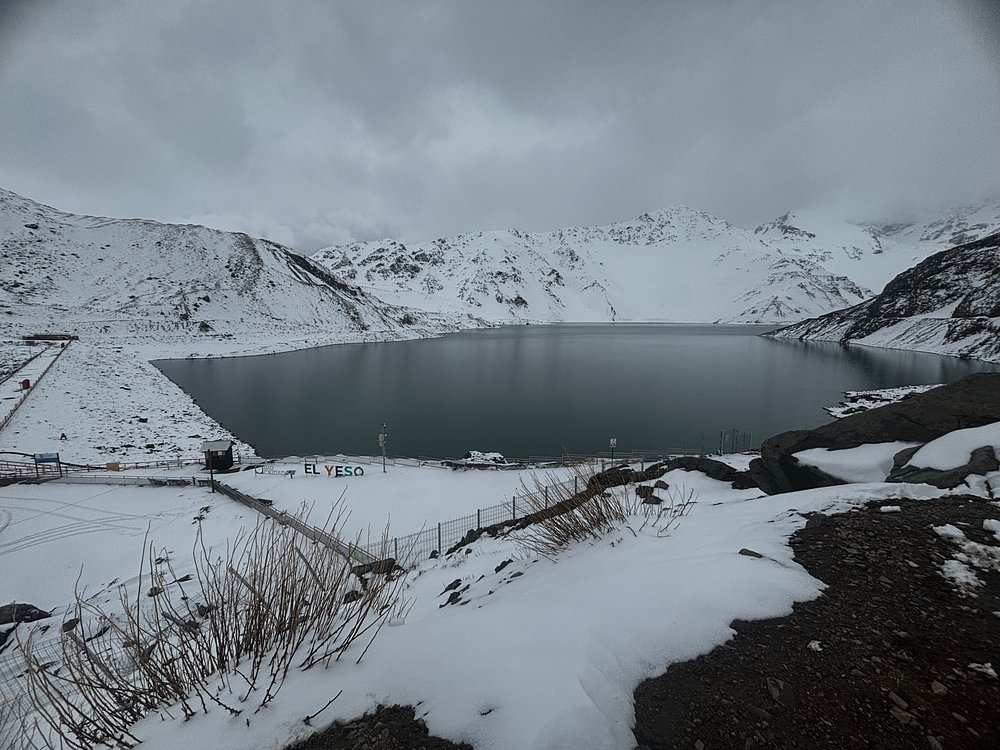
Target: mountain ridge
948, 303
678, 264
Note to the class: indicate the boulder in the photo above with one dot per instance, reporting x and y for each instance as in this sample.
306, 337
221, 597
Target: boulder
18, 612
972, 401
982, 461
644, 491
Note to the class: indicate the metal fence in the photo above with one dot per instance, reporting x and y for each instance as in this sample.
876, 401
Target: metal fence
410, 549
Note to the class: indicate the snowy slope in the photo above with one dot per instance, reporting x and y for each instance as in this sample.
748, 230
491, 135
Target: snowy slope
121, 276
678, 265
873, 254
948, 303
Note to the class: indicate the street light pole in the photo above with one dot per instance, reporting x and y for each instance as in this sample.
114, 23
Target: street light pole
382, 436
613, 444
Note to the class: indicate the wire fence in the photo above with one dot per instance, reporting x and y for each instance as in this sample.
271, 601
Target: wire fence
410, 549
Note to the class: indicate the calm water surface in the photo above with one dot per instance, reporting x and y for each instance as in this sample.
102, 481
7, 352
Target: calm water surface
543, 390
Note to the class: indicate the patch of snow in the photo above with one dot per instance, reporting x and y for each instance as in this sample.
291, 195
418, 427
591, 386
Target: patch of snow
890, 509
866, 463
961, 576
955, 449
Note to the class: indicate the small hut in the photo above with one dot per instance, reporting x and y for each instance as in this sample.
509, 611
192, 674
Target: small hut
218, 454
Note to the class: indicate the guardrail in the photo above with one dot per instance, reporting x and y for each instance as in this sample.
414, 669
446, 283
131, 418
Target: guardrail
13, 410
351, 552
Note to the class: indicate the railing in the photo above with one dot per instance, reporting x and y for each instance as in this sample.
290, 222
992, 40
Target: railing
410, 549
10, 415
351, 552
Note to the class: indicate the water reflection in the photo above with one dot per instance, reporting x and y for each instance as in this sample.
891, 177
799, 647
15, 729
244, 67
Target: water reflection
542, 390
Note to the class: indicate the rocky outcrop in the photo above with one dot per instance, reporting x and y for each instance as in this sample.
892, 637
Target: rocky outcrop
972, 401
949, 303
982, 461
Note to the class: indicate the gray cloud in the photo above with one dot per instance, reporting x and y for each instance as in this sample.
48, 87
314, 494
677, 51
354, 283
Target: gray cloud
315, 122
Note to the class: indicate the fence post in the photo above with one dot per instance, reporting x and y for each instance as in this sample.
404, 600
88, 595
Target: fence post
440, 550
575, 481
513, 508
479, 519
395, 547
546, 496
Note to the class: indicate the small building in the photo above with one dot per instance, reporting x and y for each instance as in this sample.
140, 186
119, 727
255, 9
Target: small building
218, 454
26, 384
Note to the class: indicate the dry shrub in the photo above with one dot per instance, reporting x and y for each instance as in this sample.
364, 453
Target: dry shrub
227, 635
564, 516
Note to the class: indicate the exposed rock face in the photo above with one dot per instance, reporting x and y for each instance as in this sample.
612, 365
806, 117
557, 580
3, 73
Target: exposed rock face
972, 401
949, 303
982, 461
19, 612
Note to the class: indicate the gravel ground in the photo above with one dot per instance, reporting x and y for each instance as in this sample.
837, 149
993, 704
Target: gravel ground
895, 639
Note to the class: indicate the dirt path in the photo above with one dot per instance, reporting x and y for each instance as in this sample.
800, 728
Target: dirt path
896, 643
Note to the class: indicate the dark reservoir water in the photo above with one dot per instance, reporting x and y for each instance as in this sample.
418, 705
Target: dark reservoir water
543, 390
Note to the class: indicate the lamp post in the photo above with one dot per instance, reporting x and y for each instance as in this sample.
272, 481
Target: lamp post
613, 444
382, 437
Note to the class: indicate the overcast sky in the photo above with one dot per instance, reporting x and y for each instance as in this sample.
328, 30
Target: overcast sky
313, 123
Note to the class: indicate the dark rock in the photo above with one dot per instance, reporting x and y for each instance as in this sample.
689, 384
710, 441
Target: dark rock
969, 402
652, 500
31, 226
750, 553
902, 458
452, 586
613, 477
18, 612
982, 461
644, 491
502, 565
661, 485
351, 596
379, 567
453, 598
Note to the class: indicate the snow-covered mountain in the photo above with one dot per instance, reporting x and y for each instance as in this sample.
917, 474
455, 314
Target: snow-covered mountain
872, 254
91, 274
948, 303
678, 264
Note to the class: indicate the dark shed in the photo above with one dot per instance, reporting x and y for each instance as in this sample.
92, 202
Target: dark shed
218, 454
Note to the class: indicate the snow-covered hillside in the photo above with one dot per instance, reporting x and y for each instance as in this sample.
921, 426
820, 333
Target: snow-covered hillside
126, 277
873, 254
678, 264
949, 303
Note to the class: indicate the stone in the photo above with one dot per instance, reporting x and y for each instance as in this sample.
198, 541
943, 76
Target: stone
903, 717
351, 596
652, 500
934, 743
19, 612
750, 553
969, 402
644, 491
938, 689
982, 461
661, 485
898, 701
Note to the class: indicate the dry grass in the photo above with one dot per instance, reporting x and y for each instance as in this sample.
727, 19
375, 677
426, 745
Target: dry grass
591, 513
226, 635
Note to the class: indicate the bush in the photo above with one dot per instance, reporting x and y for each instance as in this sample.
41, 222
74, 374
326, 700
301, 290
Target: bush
273, 603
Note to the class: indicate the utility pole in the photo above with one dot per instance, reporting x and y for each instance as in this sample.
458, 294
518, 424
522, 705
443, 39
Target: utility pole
613, 444
382, 437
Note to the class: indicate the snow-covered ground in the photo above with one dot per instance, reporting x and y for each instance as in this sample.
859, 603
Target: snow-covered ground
858, 401
546, 652
866, 463
955, 449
